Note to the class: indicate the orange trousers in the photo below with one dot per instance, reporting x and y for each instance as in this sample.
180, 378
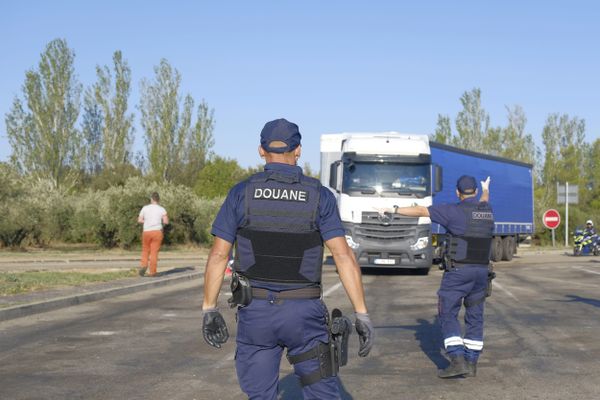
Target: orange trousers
151, 241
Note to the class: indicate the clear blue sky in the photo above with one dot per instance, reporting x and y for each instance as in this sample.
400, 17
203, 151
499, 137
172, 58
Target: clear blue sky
329, 66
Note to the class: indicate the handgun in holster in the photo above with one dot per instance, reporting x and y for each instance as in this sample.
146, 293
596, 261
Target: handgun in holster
447, 262
340, 329
332, 355
491, 276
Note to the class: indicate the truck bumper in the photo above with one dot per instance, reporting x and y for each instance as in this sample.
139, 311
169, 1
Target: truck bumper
386, 252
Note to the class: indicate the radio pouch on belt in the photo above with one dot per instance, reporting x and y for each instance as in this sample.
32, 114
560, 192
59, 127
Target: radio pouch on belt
241, 291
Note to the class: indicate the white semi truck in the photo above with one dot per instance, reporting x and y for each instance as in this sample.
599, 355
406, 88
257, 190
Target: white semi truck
366, 171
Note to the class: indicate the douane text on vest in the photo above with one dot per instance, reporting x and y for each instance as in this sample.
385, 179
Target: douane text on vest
281, 194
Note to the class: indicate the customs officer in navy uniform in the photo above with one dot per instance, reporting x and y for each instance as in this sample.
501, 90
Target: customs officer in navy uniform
470, 225
278, 221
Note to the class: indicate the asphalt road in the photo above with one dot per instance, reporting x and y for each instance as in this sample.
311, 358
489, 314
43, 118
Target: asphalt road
541, 342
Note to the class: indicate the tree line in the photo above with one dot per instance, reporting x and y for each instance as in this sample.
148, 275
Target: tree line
72, 156
73, 145
47, 142
564, 154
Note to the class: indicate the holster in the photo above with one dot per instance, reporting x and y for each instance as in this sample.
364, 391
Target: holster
241, 291
331, 355
491, 277
447, 263
340, 330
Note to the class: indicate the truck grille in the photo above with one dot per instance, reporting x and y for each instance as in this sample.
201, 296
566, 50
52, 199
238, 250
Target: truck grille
389, 227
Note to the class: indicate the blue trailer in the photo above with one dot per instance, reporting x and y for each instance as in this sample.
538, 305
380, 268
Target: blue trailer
511, 193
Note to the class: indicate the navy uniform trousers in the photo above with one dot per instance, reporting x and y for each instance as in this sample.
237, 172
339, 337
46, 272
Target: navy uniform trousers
463, 283
265, 328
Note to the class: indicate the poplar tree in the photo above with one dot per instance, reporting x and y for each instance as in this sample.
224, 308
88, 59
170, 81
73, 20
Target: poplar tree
443, 131
92, 134
199, 144
173, 141
472, 122
516, 143
111, 93
41, 126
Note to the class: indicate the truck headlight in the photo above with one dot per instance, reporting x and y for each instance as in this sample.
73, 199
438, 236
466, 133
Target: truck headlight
420, 244
353, 245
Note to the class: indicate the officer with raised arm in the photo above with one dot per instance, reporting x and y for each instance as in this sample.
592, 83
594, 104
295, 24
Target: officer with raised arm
278, 220
470, 225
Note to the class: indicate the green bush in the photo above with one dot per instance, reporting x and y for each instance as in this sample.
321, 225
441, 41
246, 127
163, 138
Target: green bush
16, 224
217, 177
37, 215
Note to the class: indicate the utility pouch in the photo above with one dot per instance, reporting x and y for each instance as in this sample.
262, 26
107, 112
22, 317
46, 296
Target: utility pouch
241, 291
491, 277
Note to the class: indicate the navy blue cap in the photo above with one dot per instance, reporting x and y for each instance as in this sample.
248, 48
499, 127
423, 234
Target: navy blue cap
280, 130
466, 184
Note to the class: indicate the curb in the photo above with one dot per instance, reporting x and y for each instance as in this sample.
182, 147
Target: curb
63, 302
84, 260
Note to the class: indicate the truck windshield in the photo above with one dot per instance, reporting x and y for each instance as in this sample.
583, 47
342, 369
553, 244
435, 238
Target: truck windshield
386, 179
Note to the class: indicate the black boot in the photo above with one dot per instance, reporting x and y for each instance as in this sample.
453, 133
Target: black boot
472, 368
457, 367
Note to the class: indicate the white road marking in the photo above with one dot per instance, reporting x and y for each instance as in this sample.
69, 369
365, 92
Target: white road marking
225, 361
332, 289
503, 289
103, 333
587, 270
169, 315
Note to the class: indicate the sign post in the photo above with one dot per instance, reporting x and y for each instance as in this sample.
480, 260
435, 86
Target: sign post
551, 220
567, 195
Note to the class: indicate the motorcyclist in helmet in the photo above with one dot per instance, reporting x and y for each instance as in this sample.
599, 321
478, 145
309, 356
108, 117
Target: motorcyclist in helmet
589, 228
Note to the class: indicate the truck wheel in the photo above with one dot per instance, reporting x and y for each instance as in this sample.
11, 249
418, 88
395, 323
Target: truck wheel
496, 248
508, 248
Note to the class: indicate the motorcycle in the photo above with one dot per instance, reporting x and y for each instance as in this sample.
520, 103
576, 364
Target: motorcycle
584, 245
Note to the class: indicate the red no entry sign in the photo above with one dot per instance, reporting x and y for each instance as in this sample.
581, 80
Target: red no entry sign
551, 219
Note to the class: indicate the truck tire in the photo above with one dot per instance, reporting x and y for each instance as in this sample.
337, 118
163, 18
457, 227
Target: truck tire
496, 249
508, 248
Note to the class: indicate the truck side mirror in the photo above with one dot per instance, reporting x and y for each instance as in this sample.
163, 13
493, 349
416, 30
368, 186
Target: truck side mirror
333, 175
438, 184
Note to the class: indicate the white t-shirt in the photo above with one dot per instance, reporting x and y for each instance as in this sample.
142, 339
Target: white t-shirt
152, 214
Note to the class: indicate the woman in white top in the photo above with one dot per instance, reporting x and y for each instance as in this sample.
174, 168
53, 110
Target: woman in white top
153, 216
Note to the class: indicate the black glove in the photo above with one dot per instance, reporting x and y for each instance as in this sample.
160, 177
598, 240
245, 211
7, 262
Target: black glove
366, 333
214, 328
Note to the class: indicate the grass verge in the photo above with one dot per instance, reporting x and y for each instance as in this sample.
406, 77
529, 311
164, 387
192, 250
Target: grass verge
12, 283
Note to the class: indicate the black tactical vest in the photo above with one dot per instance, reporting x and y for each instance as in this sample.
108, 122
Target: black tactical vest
474, 246
279, 240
